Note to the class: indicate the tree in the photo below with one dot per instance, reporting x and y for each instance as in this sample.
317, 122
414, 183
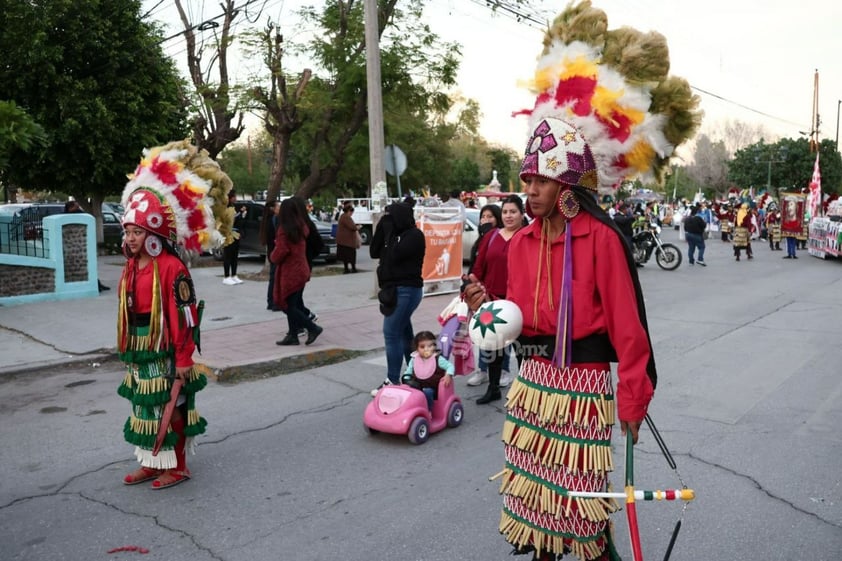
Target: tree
415, 69
248, 164
710, 166
279, 104
735, 134
212, 124
94, 77
18, 133
786, 165
502, 160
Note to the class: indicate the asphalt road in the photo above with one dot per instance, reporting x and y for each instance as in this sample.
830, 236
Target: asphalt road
748, 402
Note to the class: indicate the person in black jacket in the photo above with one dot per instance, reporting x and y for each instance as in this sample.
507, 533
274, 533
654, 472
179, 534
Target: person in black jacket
624, 219
400, 246
694, 232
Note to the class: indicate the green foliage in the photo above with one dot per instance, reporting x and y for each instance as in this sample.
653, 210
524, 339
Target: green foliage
465, 175
247, 168
785, 165
18, 132
93, 75
507, 163
330, 150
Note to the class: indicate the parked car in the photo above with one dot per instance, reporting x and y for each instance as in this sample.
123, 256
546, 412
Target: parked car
250, 234
11, 223
112, 227
470, 233
32, 216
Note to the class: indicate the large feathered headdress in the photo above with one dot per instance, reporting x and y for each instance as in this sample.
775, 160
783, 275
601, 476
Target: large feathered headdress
606, 110
180, 194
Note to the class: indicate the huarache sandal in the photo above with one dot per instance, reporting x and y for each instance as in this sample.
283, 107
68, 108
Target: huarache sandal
141, 474
170, 478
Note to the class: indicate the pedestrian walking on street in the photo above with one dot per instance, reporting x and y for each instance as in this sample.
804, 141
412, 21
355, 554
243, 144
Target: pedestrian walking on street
694, 231
268, 229
347, 237
400, 247
158, 317
293, 273
573, 277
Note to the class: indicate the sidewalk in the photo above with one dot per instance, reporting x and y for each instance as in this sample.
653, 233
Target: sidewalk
237, 329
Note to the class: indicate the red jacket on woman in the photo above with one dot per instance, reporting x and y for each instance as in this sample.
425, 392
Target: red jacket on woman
293, 271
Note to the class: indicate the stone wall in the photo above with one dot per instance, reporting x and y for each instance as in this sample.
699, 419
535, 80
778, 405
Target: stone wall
74, 241
18, 281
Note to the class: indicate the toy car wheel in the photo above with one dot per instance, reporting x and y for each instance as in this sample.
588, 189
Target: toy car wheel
419, 431
370, 430
454, 416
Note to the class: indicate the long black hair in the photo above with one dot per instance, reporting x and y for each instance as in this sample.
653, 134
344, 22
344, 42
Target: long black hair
291, 221
588, 203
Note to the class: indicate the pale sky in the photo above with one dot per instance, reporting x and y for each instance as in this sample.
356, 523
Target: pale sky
760, 55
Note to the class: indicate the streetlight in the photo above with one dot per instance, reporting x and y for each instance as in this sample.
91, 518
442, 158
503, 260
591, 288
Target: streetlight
774, 157
838, 103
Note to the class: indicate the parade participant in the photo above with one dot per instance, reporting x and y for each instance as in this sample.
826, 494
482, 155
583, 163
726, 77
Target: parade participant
168, 201
572, 275
742, 232
791, 222
726, 216
773, 226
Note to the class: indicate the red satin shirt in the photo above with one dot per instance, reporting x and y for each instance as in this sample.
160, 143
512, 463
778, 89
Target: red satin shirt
603, 299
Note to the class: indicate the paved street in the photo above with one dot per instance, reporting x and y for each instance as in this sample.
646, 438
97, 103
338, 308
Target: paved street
748, 402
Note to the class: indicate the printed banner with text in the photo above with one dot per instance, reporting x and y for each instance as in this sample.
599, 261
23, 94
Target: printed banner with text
443, 256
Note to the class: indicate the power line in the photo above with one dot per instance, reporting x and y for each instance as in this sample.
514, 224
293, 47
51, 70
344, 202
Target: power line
746, 107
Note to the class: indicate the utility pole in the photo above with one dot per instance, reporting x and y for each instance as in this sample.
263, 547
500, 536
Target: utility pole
375, 100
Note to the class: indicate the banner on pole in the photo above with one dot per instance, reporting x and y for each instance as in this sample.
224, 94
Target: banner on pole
442, 268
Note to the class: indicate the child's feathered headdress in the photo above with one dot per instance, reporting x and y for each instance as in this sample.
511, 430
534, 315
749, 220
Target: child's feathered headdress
606, 95
180, 194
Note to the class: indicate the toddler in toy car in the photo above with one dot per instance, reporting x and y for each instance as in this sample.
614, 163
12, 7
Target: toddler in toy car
427, 367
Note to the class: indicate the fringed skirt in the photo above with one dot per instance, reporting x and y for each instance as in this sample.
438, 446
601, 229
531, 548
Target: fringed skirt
775, 232
147, 386
557, 437
741, 237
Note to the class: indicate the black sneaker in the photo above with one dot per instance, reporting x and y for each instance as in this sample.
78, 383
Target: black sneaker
377, 389
702, 263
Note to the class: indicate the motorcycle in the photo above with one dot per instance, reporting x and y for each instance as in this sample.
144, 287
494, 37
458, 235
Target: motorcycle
647, 241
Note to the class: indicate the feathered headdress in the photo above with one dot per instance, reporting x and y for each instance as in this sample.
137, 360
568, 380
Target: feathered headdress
611, 92
180, 194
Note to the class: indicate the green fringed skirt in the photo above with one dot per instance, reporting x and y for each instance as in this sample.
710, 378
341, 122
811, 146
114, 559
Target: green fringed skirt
147, 386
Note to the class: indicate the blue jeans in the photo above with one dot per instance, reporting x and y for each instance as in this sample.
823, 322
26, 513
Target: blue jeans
695, 241
397, 330
790, 247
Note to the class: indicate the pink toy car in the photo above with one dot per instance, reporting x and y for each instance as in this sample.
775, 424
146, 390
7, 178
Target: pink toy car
403, 410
